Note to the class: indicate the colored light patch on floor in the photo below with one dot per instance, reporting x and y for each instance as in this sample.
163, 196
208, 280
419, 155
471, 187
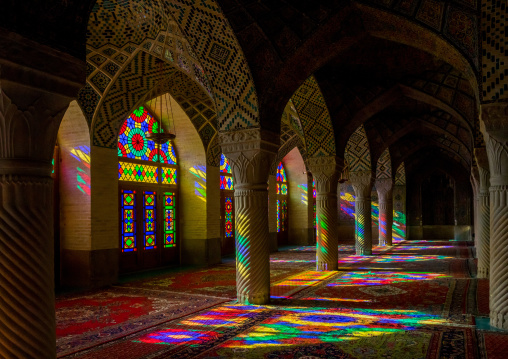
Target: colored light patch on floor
312, 326
418, 248
291, 285
313, 248
291, 261
390, 259
201, 328
382, 278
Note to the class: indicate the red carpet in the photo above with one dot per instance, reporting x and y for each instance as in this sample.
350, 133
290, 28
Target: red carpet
391, 305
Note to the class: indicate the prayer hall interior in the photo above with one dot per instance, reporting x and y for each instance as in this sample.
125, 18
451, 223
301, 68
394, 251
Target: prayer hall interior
253, 179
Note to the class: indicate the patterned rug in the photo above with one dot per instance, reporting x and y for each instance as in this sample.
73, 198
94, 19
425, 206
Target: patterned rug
390, 305
100, 316
219, 281
492, 345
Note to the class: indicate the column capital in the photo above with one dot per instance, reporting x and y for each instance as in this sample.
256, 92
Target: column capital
250, 152
384, 188
495, 120
362, 183
29, 122
325, 171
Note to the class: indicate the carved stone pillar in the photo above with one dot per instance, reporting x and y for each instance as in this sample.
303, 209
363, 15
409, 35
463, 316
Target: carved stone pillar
29, 121
483, 221
495, 119
362, 184
325, 171
475, 184
37, 84
250, 153
399, 205
384, 187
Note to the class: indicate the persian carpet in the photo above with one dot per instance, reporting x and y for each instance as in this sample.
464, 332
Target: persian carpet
100, 316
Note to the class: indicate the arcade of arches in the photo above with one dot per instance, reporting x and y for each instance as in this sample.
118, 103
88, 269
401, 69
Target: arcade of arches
153, 136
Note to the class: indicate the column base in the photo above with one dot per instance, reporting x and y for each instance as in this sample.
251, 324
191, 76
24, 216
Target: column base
364, 252
253, 298
482, 272
499, 320
324, 266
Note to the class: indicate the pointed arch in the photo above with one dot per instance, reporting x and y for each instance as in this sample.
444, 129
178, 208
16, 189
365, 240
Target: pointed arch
315, 119
358, 151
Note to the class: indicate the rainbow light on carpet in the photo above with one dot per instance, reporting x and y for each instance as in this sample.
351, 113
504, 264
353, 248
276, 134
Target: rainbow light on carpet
391, 259
312, 326
382, 278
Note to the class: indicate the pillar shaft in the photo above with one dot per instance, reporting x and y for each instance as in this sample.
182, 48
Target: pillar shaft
384, 189
362, 184
251, 153
27, 312
494, 117
29, 121
399, 205
483, 220
325, 170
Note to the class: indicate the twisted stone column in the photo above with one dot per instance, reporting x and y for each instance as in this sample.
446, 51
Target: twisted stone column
37, 85
325, 170
29, 120
384, 187
362, 184
475, 183
494, 117
399, 205
27, 304
250, 153
483, 220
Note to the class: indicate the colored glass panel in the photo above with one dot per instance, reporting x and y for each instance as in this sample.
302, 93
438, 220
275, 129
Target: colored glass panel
128, 221
149, 210
169, 175
281, 173
278, 215
169, 220
282, 188
137, 173
226, 182
314, 192
134, 143
224, 164
228, 223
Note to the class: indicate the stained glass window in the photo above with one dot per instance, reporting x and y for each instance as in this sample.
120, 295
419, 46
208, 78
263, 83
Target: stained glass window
168, 175
169, 220
228, 222
141, 160
137, 173
128, 221
282, 212
226, 178
133, 142
224, 164
150, 213
281, 173
314, 193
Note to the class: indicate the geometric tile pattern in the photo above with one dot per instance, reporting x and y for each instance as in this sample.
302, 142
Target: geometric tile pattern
384, 165
187, 33
400, 176
315, 119
214, 43
129, 88
494, 15
358, 151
